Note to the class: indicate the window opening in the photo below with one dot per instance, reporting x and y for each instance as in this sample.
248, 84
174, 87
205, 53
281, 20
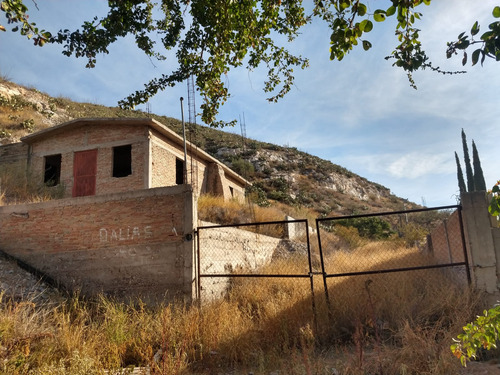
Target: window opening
179, 171
52, 175
122, 161
231, 190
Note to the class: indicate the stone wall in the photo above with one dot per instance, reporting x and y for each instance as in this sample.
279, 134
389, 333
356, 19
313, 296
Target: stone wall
128, 244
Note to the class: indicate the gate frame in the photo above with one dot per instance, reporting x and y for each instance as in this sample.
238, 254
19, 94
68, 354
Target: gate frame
309, 275
444, 265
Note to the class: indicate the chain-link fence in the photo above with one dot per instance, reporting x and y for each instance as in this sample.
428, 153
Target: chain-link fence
232, 255
373, 256
391, 250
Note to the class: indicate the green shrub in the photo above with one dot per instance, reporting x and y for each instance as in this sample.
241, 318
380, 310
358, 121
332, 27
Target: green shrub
369, 227
242, 167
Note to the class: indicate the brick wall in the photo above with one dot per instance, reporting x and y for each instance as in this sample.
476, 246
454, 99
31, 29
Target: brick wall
205, 176
102, 138
162, 165
154, 154
127, 244
163, 169
232, 189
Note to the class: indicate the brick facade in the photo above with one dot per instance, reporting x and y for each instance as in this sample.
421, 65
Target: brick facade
128, 244
157, 154
102, 137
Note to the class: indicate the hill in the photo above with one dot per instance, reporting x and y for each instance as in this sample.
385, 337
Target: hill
278, 173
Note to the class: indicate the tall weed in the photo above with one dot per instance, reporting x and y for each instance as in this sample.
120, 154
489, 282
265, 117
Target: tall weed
375, 324
18, 184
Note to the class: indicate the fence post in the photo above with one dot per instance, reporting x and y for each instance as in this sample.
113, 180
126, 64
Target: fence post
485, 267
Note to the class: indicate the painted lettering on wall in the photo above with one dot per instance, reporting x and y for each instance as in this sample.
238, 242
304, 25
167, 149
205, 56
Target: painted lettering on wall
124, 234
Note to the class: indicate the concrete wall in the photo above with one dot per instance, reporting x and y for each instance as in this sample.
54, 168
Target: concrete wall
483, 240
224, 250
446, 241
127, 244
297, 230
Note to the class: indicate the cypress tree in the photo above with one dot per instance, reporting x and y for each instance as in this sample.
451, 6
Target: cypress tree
468, 167
479, 182
460, 176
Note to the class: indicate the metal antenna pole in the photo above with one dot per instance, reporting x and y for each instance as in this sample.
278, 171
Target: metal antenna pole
184, 138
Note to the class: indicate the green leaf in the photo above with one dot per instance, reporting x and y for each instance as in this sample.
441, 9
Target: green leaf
487, 35
390, 11
379, 15
366, 45
345, 4
366, 26
475, 29
475, 56
496, 12
361, 9
493, 209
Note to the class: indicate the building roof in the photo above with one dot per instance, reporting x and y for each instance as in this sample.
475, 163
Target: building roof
152, 123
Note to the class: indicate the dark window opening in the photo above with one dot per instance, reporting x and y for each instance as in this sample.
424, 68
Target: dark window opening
231, 190
52, 174
179, 171
122, 161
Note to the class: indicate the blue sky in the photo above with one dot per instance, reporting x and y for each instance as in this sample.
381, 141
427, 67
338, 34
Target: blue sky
359, 113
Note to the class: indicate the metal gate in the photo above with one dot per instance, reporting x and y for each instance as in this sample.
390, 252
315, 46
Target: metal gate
378, 247
418, 241
251, 250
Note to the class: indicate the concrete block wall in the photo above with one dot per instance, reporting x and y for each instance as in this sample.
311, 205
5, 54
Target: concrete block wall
127, 244
297, 230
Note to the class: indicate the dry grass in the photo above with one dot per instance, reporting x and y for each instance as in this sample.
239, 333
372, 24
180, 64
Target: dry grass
397, 323
18, 185
217, 210
380, 324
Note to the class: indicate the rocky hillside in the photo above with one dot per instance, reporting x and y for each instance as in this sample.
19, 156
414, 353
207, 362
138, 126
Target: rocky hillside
278, 173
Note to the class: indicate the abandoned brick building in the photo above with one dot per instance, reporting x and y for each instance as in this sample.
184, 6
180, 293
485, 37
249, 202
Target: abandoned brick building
98, 156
